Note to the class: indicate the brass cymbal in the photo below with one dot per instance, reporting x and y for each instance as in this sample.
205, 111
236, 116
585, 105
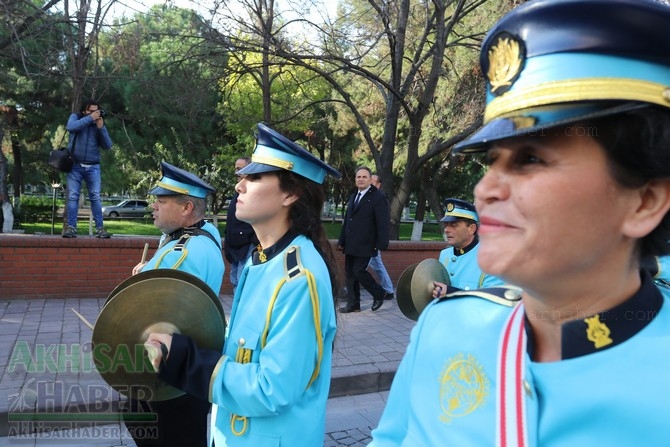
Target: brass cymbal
403, 292
165, 273
163, 300
415, 286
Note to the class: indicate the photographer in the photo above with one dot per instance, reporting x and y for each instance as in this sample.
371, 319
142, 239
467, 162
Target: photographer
87, 135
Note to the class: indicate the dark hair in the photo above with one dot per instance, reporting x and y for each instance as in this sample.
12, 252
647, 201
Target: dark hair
87, 103
363, 167
638, 147
305, 217
472, 222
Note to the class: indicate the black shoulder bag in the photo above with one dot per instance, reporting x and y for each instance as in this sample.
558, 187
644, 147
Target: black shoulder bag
61, 158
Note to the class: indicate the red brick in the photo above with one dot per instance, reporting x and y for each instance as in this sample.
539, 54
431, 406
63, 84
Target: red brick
53, 267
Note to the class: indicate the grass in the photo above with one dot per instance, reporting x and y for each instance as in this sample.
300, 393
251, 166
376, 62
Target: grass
145, 227
138, 227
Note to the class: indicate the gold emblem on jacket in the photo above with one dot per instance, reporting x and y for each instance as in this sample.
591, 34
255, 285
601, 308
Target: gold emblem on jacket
463, 387
597, 331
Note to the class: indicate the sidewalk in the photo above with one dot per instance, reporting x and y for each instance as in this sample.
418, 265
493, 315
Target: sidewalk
42, 345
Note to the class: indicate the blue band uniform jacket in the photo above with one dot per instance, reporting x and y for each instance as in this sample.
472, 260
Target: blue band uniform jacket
270, 386
207, 263
464, 271
594, 396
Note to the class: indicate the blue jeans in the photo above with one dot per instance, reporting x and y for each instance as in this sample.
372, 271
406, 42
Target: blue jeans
378, 267
91, 175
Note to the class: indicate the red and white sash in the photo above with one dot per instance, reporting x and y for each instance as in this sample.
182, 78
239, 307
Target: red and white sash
511, 414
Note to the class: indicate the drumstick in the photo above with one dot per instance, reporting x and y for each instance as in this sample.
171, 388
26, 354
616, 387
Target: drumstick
144, 253
83, 319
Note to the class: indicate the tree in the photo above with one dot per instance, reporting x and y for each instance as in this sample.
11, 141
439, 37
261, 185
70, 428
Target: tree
164, 72
259, 86
385, 61
156, 75
30, 56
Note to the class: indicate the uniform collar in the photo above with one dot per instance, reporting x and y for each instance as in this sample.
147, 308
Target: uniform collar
470, 246
179, 232
262, 255
604, 330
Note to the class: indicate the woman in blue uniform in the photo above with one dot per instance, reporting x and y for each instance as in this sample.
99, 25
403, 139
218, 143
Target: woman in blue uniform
270, 386
576, 196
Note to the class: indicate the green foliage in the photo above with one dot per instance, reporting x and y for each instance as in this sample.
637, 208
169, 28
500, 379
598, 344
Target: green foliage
35, 209
460, 177
296, 95
32, 83
155, 75
178, 90
164, 68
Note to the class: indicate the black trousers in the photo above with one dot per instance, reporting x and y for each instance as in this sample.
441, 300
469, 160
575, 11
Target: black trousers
356, 270
178, 422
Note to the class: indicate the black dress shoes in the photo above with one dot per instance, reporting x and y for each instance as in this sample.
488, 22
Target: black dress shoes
347, 309
376, 304
388, 296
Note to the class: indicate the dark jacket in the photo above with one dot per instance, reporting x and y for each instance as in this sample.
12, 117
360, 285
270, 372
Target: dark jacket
86, 139
238, 235
365, 228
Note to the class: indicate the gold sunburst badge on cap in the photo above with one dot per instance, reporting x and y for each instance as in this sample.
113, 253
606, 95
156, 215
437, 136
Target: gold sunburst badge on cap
506, 58
450, 207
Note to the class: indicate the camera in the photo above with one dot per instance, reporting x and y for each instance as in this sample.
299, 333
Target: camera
103, 114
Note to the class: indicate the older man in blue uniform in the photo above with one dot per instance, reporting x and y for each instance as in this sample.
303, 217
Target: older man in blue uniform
193, 245
460, 257
481, 368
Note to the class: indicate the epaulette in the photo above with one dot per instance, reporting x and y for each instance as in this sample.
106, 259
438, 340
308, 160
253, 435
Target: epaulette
292, 263
504, 295
183, 234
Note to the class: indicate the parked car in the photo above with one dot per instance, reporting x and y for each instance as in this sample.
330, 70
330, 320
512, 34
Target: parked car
127, 208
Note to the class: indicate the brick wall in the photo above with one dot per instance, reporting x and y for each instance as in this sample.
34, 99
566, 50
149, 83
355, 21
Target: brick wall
41, 266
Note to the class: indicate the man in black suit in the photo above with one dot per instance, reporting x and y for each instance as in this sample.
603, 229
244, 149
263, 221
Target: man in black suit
365, 230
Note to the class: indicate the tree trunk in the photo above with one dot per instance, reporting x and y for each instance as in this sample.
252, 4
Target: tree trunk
18, 169
6, 214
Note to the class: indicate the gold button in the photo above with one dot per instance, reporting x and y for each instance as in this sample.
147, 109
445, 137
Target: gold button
666, 94
529, 390
242, 341
512, 295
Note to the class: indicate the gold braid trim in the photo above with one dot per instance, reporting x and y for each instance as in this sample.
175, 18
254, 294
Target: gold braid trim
173, 188
244, 355
277, 162
181, 247
572, 90
214, 374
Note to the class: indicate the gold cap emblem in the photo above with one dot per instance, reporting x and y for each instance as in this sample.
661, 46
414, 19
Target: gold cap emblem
506, 58
450, 207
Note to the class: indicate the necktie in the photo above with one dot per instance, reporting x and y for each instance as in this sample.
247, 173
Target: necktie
358, 197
